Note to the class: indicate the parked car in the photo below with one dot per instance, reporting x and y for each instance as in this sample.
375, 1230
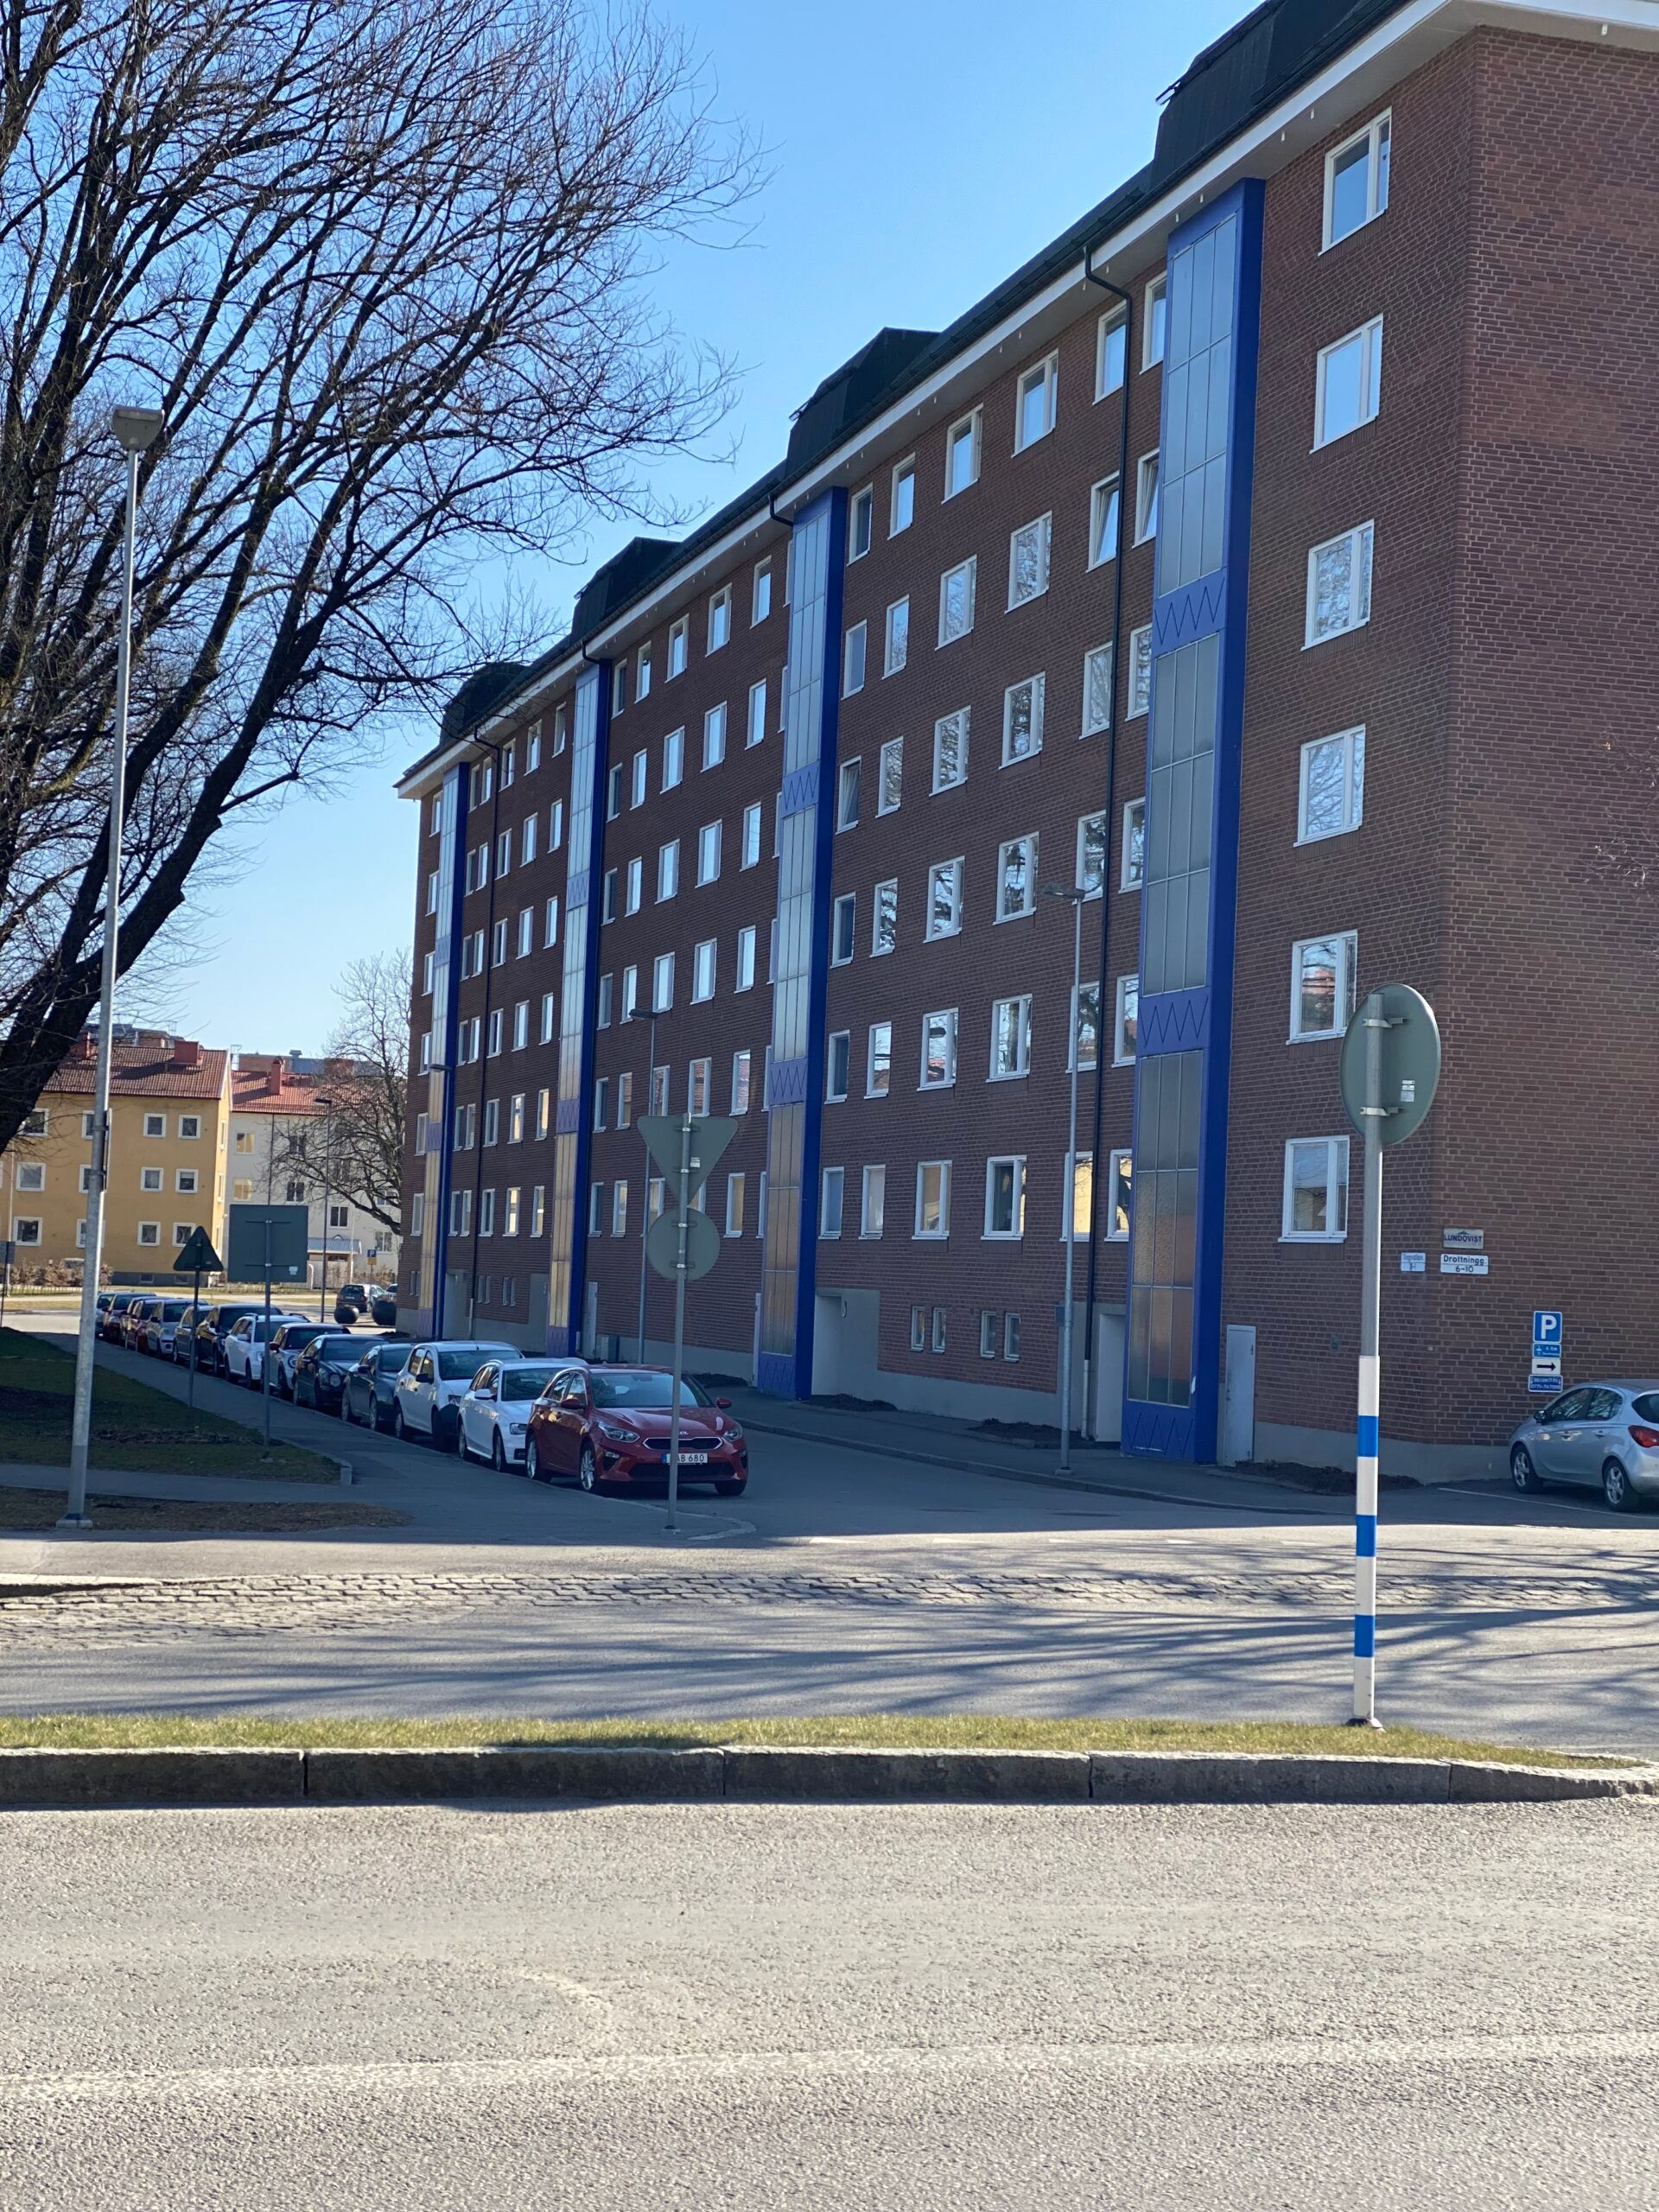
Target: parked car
214, 1326
320, 1371
286, 1345
133, 1321
162, 1325
244, 1347
383, 1309
184, 1334
115, 1304
426, 1401
1601, 1436
608, 1425
354, 1294
494, 1414
371, 1385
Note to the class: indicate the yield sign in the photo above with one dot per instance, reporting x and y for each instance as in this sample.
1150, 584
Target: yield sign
710, 1134
197, 1256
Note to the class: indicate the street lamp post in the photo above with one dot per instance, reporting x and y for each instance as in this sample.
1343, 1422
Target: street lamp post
328, 1105
135, 429
1075, 895
644, 1195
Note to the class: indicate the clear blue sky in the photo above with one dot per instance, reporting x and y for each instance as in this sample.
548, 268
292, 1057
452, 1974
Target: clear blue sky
919, 152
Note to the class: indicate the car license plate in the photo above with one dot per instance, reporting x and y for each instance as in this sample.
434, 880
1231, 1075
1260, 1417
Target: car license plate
694, 1459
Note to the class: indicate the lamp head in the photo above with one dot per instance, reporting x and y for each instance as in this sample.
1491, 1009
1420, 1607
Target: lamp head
135, 428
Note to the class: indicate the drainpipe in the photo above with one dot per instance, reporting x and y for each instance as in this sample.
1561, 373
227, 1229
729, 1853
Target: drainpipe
1108, 887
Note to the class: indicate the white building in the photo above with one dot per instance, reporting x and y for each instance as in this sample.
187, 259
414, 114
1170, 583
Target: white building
280, 1154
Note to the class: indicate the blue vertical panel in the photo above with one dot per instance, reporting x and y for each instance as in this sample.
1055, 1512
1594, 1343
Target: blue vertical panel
800, 983
574, 1108
1194, 738
432, 1174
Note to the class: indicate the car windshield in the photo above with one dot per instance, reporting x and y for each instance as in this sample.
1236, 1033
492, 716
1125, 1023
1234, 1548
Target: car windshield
170, 1310
528, 1379
645, 1389
392, 1355
300, 1333
461, 1364
338, 1351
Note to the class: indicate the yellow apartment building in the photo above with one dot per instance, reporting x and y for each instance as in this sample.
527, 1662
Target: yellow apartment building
170, 1117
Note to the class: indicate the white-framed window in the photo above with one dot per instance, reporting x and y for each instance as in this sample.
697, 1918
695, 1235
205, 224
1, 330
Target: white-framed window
1022, 718
1356, 182
987, 1331
660, 1086
516, 1118
1322, 994
938, 1050
556, 825
1090, 878
1146, 498
642, 673
703, 969
560, 729
668, 869
918, 1328
497, 1032
757, 728
890, 780
1316, 1191
533, 746
634, 891
673, 758
1096, 690
944, 899
1074, 1217
854, 653
1111, 352
950, 734
742, 1064
31, 1177
901, 498
1037, 400
744, 979
736, 1191
708, 840
1140, 672
1120, 1186
624, 1098
957, 600
1339, 585
483, 782
1005, 1196
1126, 1021
503, 853
543, 1121
602, 1103
699, 1090
498, 942
526, 932
932, 1197
149, 1232
831, 1200
527, 829
661, 988
1105, 507
596, 1210
619, 1211
1010, 1336
607, 896
1010, 1039
962, 454
1028, 549
720, 618
154, 1126
86, 1180
432, 893
1133, 868
550, 923
849, 784
656, 1198
760, 593
679, 645
860, 523
761, 1203
151, 1179
26, 1228
896, 645
877, 1060
843, 929
884, 916
748, 854
1348, 383
1086, 1026
872, 1203
1331, 799
838, 1066
547, 1018
1155, 322
714, 736
1016, 878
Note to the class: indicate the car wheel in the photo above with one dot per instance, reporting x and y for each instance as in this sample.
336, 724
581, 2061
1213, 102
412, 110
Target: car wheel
732, 1490
462, 1444
1618, 1488
345, 1413
588, 1472
532, 1461
498, 1457
397, 1429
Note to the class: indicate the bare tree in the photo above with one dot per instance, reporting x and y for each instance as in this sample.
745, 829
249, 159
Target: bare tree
371, 1103
386, 267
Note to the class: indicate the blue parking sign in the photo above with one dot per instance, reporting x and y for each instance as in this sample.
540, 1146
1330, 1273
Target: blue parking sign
1546, 1336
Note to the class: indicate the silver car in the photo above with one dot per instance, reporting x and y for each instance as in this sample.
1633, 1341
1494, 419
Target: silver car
1602, 1435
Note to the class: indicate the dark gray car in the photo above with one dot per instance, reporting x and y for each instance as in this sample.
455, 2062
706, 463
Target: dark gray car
1600, 1436
372, 1383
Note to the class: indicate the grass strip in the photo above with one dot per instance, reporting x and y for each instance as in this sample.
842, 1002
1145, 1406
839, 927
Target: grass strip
136, 1430
874, 1730
25, 1511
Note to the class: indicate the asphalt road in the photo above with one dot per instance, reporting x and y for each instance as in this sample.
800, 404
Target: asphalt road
927, 2007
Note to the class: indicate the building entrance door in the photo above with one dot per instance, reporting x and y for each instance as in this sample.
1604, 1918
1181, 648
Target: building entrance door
1239, 1406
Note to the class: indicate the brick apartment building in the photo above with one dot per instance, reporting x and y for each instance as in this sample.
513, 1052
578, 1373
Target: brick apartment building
1382, 617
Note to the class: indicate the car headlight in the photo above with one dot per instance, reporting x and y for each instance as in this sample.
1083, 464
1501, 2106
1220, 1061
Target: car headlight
734, 1434
617, 1433
518, 1427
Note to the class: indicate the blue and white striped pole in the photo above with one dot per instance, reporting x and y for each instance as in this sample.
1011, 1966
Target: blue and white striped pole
1370, 1296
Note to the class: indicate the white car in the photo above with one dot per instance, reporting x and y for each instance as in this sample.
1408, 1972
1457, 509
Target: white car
286, 1345
438, 1376
495, 1413
244, 1347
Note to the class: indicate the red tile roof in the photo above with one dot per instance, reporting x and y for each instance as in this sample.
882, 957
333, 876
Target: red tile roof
250, 1093
146, 1072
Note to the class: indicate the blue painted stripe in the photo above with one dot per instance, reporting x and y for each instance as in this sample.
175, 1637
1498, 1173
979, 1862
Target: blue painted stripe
1368, 1436
1365, 1536
1364, 1635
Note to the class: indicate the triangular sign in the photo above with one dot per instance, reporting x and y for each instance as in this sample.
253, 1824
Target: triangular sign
197, 1254
710, 1134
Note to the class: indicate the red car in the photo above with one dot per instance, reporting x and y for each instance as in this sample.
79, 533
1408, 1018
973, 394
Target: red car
603, 1425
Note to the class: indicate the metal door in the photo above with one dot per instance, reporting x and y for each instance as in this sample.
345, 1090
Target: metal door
1238, 1405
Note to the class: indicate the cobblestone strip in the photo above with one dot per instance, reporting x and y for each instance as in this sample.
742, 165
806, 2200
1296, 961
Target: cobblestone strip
259, 1606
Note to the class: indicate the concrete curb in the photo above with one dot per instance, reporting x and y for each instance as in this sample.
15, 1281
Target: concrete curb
756, 1775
